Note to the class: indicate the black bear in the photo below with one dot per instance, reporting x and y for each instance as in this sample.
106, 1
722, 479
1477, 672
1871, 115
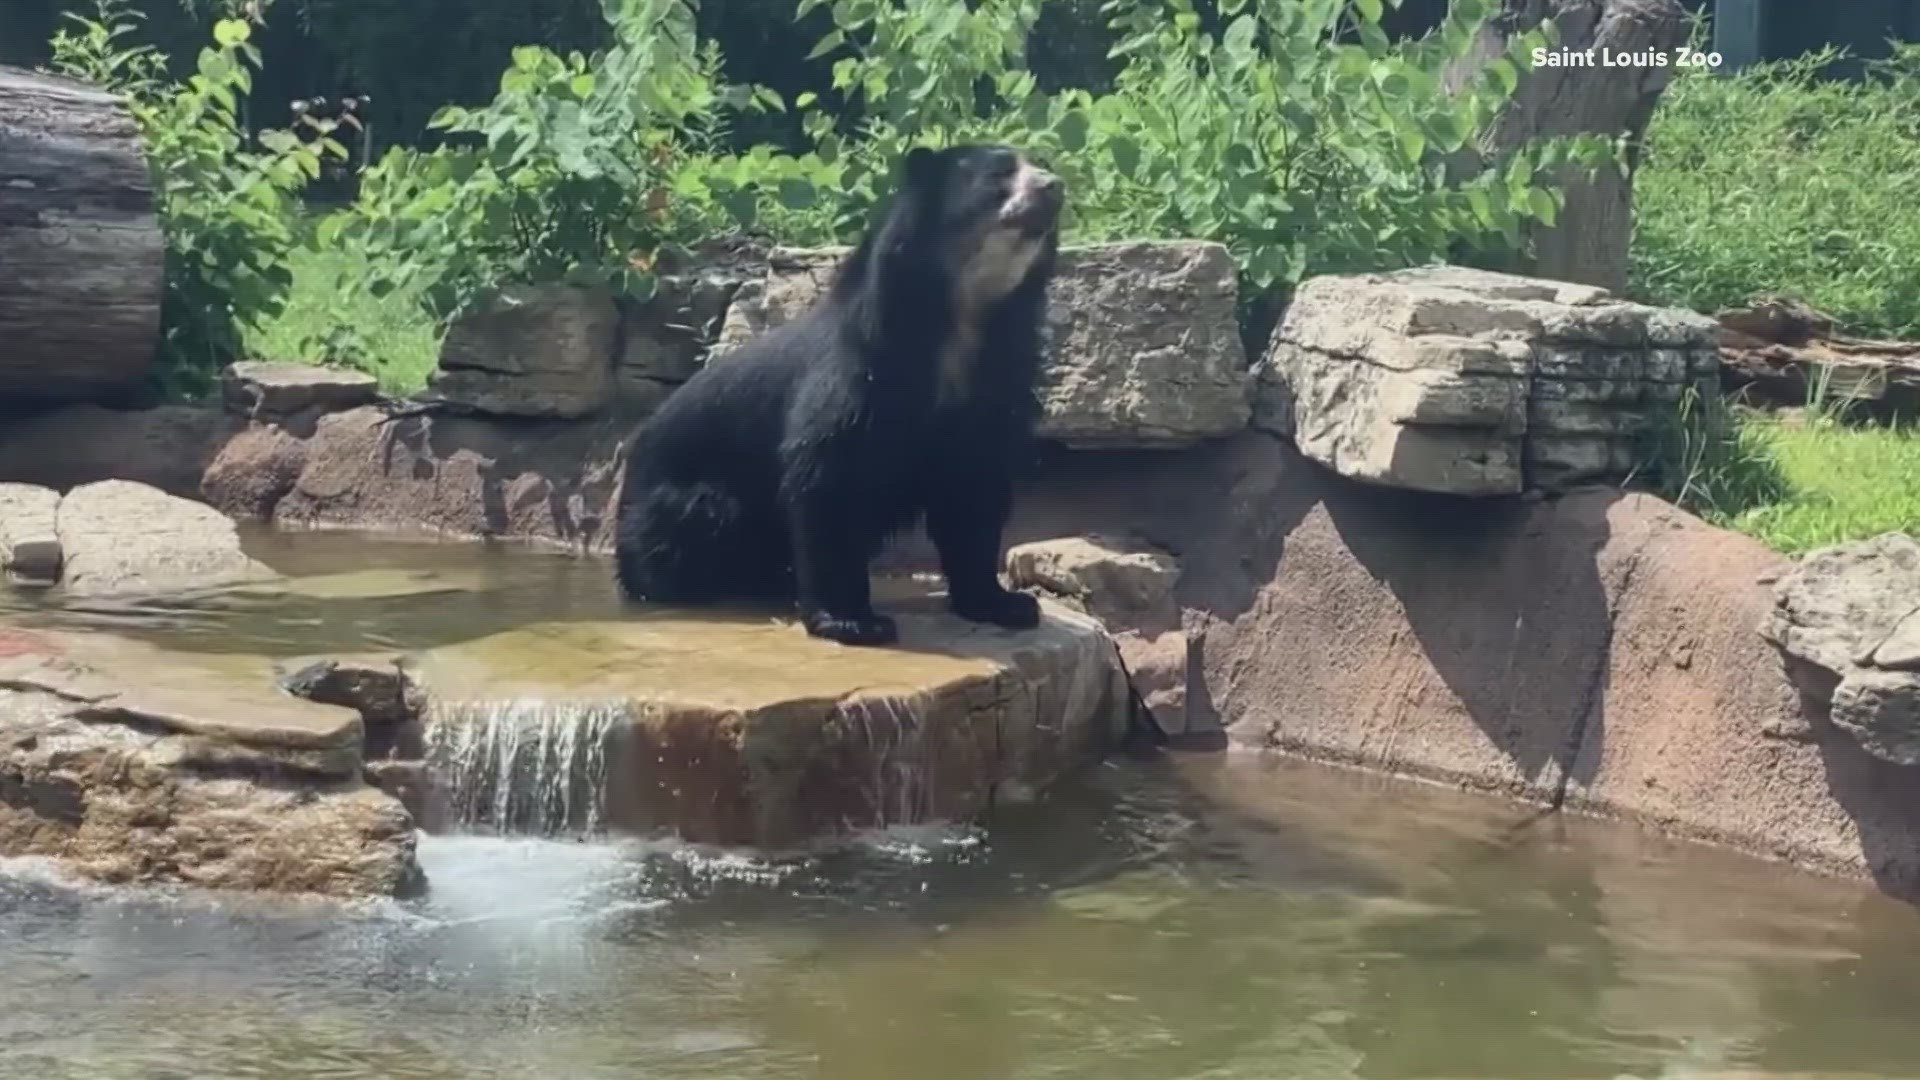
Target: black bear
778, 472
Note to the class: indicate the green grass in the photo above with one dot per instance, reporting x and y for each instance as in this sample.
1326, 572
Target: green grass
1774, 181
1840, 483
405, 343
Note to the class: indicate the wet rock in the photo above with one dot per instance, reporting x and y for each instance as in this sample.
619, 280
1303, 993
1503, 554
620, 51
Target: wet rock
134, 765
123, 538
1143, 341
29, 542
545, 351
388, 701
1466, 382
258, 389
738, 729
1850, 612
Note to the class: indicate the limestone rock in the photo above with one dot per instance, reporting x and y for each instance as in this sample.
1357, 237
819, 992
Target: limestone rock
1128, 585
123, 538
1850, 611
666, 338
1468, 382
1122, 582
722, 729
259, 389
1143, 341
29, 541
545, 351
133, 765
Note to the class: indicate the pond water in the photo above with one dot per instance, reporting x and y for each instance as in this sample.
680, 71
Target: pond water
1194, 916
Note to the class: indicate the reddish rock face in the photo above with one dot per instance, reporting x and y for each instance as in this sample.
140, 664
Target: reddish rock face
1600, 651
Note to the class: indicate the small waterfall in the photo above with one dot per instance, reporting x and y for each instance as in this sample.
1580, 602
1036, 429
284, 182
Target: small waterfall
899, 789
522, 767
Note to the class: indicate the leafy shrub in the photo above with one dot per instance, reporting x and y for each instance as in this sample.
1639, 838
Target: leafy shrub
563, 177
1775, 180
226, 203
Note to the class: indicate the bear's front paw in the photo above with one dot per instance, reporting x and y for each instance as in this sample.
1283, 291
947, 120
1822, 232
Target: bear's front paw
1011, 610
858, 630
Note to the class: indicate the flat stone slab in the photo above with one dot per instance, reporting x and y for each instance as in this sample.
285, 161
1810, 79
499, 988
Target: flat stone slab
273, 388
121, 538
740, 729
1466, 382
29, 541
134, 764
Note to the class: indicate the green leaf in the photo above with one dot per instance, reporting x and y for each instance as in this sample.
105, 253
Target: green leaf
230, 32
805, 100
1370, 10
797, 194
1072, 130
581, 85
831, 40
1543, 206
1504, 73
1126, 155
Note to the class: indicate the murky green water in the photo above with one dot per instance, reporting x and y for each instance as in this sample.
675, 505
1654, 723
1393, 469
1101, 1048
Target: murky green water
1191, 917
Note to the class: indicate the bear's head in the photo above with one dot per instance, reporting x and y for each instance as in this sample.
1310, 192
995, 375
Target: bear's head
991, 214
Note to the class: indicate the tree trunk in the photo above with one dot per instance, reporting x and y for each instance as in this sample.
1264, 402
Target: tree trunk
1588, 244
81, 268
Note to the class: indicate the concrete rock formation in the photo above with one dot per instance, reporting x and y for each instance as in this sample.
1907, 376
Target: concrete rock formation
1143, 339
1444, 379
545, 351
29, 541
666, 338
1851, 615
259, 389
1128, 585
130, 764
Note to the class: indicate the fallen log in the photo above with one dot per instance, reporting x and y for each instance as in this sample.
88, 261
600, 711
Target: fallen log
81, 271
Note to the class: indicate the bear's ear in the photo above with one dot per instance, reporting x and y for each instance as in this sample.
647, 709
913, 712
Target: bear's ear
921, 165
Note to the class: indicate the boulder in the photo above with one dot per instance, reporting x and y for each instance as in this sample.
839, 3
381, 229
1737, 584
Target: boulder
1128, 585
730, 729
667, 337
1121, 581
388, 701
1466, 382
1851, 614
1142, 339
133, 765
535, 351
258, 389
29, 542
121, 538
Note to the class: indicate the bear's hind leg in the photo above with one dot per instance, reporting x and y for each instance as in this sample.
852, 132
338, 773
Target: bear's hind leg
694, 543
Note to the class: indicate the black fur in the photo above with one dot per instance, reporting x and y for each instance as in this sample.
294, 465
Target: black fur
778, 472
